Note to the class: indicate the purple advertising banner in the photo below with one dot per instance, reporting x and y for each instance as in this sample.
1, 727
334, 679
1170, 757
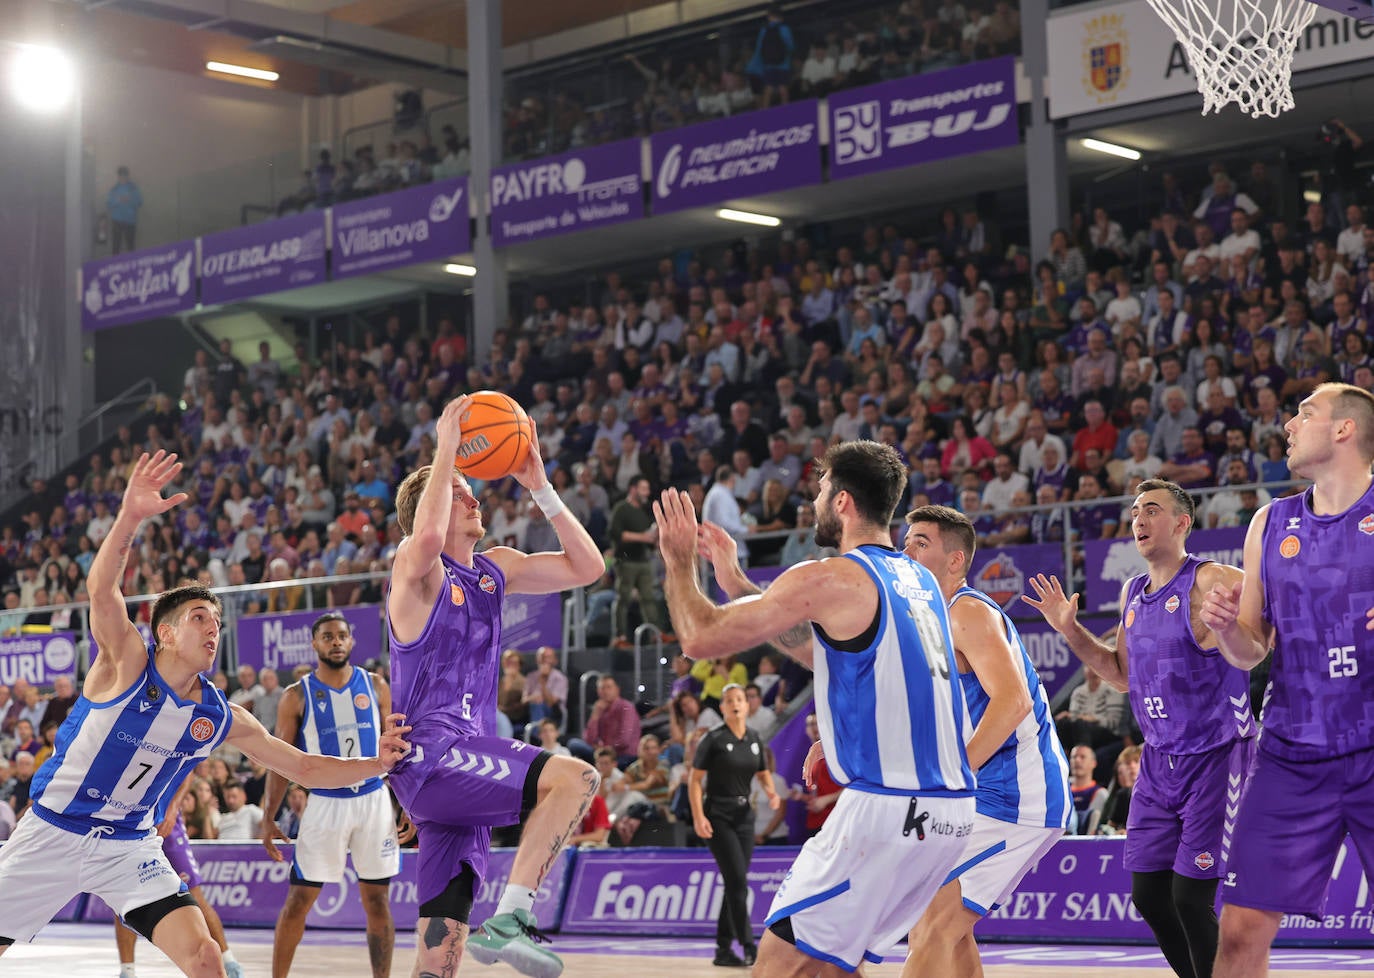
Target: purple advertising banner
1080, 892
1001, 572
531, 620
138, 285
754, 153
419, 224
1111, 563
283, 641
587, 188
248, 889
663, 891
262, 258
37, 658
922, 118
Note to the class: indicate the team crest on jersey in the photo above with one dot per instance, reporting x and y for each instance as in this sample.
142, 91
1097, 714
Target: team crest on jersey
1172, 604
487, 583
1367, 525
202, 730
1001, 580
1130, 617
456, 595
152, 692
1204, 861
361, 701
1290, 546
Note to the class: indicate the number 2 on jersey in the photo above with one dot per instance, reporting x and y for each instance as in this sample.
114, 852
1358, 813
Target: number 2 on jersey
1343, 664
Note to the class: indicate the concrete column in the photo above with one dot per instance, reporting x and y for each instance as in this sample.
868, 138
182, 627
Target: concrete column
490, 296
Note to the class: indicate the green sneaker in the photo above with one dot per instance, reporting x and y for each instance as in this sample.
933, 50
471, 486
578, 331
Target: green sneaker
514, 939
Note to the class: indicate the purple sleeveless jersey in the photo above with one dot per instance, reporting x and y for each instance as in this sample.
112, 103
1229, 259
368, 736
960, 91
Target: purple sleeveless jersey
1187, 699
1318, 576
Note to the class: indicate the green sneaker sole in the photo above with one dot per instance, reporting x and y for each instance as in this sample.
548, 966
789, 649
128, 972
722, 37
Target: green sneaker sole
523, 956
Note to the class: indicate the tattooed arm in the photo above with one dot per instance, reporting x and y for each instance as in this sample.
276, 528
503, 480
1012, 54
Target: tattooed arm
720, 549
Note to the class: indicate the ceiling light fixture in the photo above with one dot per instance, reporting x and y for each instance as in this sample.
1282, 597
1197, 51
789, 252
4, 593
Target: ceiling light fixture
454, 268
43, 79
261, 74
1112, 149
748, 217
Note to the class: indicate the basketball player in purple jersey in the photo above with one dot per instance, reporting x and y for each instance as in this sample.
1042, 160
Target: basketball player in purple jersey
444, 616
1193, 708
1309, 582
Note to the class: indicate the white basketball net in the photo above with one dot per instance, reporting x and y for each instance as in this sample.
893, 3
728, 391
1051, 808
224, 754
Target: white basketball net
1240, 50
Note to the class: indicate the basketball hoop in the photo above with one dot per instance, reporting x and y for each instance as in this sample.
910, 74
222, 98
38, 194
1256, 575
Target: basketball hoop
1240, 50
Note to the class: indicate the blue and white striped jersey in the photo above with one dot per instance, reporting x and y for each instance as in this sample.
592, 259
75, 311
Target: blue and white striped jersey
341, 723
892, 716
1026, 781
116, 762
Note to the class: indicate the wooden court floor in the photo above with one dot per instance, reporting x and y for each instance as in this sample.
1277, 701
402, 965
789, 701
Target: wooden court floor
87, 951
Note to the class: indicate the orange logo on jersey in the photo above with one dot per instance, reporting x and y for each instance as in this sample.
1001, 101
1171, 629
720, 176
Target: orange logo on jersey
1130, 617
1172, 604
455, 594
202, 730
1290, 546
361, 701
1367, 525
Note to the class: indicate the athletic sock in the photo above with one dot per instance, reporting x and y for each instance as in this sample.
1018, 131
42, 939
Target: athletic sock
228, 956
515, 898
127, 970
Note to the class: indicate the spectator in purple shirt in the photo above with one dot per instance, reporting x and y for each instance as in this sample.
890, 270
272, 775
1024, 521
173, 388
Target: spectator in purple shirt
1094, 522
1194, 466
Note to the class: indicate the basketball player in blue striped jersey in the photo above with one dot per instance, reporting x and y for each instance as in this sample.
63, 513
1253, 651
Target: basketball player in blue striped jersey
144, 720
1023, 796
873, 627
335, 710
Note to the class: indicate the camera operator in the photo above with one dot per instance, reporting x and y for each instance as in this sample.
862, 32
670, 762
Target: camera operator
1340, 183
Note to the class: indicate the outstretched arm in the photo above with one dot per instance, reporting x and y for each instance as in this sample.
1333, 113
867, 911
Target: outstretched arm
288, 726
1061, 613
421, 549
719, 547
315, 770
110, 624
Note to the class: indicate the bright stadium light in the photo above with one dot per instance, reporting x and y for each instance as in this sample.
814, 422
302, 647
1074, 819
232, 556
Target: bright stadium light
453, 268
748, 217
261, 74
1112, 149
43, 79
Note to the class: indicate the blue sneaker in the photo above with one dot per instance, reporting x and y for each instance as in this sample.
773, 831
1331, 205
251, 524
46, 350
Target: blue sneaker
514, 939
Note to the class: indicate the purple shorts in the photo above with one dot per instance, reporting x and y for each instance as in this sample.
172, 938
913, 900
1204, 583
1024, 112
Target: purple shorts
1293, 819
455, 793
177, 848
1183, 808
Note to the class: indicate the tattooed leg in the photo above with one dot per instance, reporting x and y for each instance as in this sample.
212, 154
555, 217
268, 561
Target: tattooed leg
438, 947
566, 789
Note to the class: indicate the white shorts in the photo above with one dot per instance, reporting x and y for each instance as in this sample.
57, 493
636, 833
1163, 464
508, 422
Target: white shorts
857, 888
42, 867
331, 828
998, 855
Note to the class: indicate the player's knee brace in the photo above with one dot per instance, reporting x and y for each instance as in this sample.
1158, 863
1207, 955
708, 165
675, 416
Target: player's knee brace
142, 920
6, 941
455, 903
1195, 899
1153, 894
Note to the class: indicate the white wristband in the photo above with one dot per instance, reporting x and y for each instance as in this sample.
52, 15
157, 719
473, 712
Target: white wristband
546, 496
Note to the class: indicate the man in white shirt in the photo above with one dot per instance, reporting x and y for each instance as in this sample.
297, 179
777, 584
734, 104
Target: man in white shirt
721, 508
1350, 242
1141, 463
1242, 240
761, 719
1004, 485
1206, 245
1037, 437
243, 822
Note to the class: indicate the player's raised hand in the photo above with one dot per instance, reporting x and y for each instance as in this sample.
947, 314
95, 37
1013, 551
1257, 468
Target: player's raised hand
1060, 610
393, 745
448, 430
271, 831
1220, 607
143, 496
677, 527
531, 473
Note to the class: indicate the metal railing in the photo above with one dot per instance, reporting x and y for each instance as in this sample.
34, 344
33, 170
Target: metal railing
104, 417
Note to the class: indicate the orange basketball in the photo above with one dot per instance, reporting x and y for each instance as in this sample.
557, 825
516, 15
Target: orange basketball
497, 435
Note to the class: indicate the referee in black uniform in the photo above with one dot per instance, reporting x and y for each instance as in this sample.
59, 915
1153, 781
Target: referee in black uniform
726, 759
